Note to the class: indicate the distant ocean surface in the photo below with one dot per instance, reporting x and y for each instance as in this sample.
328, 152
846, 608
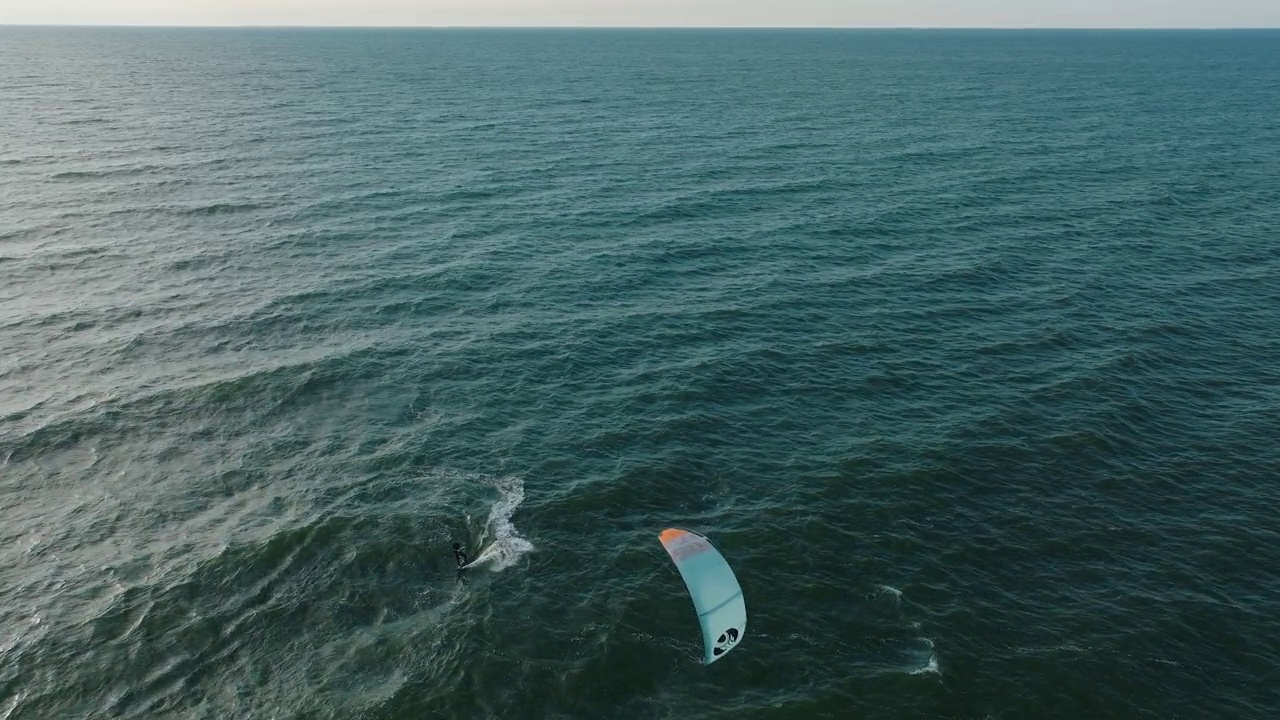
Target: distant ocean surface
962, 347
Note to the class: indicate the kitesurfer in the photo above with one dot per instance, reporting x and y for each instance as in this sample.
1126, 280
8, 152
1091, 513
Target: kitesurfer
459, 554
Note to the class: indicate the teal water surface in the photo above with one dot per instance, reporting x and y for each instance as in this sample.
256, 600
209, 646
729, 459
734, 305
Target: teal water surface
962, 347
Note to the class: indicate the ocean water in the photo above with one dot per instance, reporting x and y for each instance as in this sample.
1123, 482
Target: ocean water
962, 347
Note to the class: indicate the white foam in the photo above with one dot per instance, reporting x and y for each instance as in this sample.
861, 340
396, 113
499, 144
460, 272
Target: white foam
895, 592
932, 667
507, 546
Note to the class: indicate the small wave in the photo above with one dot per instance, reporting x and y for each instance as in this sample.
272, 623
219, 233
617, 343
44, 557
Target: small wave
895, 592
223, 208
710, 202
76, 252
507, 546
75, 175
105, 172
11, 704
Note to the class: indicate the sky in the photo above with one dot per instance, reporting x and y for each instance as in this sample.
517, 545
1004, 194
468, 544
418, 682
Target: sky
651, 13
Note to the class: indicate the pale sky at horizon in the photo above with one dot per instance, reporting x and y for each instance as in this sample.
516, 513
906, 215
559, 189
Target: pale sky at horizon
650, 13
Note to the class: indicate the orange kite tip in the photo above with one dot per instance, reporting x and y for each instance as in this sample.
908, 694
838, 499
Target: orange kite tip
671, 534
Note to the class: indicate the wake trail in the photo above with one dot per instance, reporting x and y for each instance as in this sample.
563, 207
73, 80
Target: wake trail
506, 546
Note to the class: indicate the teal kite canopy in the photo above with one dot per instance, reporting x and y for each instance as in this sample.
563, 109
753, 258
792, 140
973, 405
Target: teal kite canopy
717, 597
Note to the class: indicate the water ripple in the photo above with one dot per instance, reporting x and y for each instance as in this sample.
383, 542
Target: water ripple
961, 347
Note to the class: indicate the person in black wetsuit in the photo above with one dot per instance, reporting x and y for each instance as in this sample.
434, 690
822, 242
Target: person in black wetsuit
459, 554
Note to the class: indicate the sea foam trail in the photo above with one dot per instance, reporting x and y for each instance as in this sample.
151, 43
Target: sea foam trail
506, 546
932, 665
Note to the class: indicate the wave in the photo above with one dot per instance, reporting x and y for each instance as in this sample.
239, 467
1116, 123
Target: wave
259, 390
105, 172
705, 203
220, 208
895, 592
87, 121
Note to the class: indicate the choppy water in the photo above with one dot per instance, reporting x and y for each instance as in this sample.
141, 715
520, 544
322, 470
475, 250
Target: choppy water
964, 348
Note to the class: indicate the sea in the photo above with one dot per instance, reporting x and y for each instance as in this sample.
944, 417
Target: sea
962, 347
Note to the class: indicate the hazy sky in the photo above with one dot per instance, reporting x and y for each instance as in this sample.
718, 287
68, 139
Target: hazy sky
838, 13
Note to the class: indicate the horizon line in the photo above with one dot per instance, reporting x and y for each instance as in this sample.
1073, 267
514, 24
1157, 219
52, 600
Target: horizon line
1002, 28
